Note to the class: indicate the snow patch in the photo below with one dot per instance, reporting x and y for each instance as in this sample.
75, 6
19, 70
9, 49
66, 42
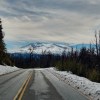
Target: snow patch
7, 69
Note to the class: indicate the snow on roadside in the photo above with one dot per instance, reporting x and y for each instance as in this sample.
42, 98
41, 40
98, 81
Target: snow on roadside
7, 69
85, 86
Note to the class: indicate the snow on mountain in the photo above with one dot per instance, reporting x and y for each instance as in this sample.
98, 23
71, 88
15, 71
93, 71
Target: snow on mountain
49, 47
42, 47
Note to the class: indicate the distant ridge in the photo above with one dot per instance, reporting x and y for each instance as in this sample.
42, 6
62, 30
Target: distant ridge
49, 47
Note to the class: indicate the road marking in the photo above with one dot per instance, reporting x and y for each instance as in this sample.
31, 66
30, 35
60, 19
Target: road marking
21, 91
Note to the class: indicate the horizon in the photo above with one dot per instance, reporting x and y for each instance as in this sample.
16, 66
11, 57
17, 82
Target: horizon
73, 21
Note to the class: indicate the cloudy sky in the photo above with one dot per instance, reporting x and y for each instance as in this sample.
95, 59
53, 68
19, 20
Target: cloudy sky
71, 21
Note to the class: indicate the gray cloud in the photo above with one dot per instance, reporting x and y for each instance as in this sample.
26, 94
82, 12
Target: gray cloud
52, 20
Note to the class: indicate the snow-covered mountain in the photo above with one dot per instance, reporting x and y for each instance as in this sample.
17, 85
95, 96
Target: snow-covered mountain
44, 47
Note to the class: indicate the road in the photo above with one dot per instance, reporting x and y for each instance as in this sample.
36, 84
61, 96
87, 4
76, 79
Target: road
11, 83
45, 86
41, 85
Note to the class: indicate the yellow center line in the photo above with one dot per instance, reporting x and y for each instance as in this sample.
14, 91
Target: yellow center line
21, 91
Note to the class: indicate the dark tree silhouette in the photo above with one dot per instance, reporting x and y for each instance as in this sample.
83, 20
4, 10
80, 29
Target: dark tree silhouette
4, 58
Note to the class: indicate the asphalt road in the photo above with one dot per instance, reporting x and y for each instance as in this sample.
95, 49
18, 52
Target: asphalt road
11, 83
41, 85
45, 86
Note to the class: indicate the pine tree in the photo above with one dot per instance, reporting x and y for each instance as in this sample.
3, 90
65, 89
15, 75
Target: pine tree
4, 58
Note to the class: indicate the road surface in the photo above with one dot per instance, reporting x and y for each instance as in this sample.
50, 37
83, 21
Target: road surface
38, 85
11, 83
45, 86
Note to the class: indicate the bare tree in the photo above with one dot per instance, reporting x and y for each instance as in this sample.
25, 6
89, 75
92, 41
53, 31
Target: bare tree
96, 43
99, 43
31, 54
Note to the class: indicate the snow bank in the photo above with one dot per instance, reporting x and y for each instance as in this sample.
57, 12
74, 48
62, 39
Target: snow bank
7, 69
83, 85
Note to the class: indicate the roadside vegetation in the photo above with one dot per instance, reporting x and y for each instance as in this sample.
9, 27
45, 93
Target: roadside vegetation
85, 63
4, 56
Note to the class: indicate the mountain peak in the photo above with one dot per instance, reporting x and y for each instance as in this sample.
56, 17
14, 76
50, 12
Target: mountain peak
47, 47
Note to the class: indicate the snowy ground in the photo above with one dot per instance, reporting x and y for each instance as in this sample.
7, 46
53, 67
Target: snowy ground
7, 69
83, 85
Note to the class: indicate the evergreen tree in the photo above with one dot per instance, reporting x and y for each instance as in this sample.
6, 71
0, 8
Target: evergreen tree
4, 58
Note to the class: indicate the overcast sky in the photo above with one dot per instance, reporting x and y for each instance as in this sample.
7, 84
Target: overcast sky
71, 21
